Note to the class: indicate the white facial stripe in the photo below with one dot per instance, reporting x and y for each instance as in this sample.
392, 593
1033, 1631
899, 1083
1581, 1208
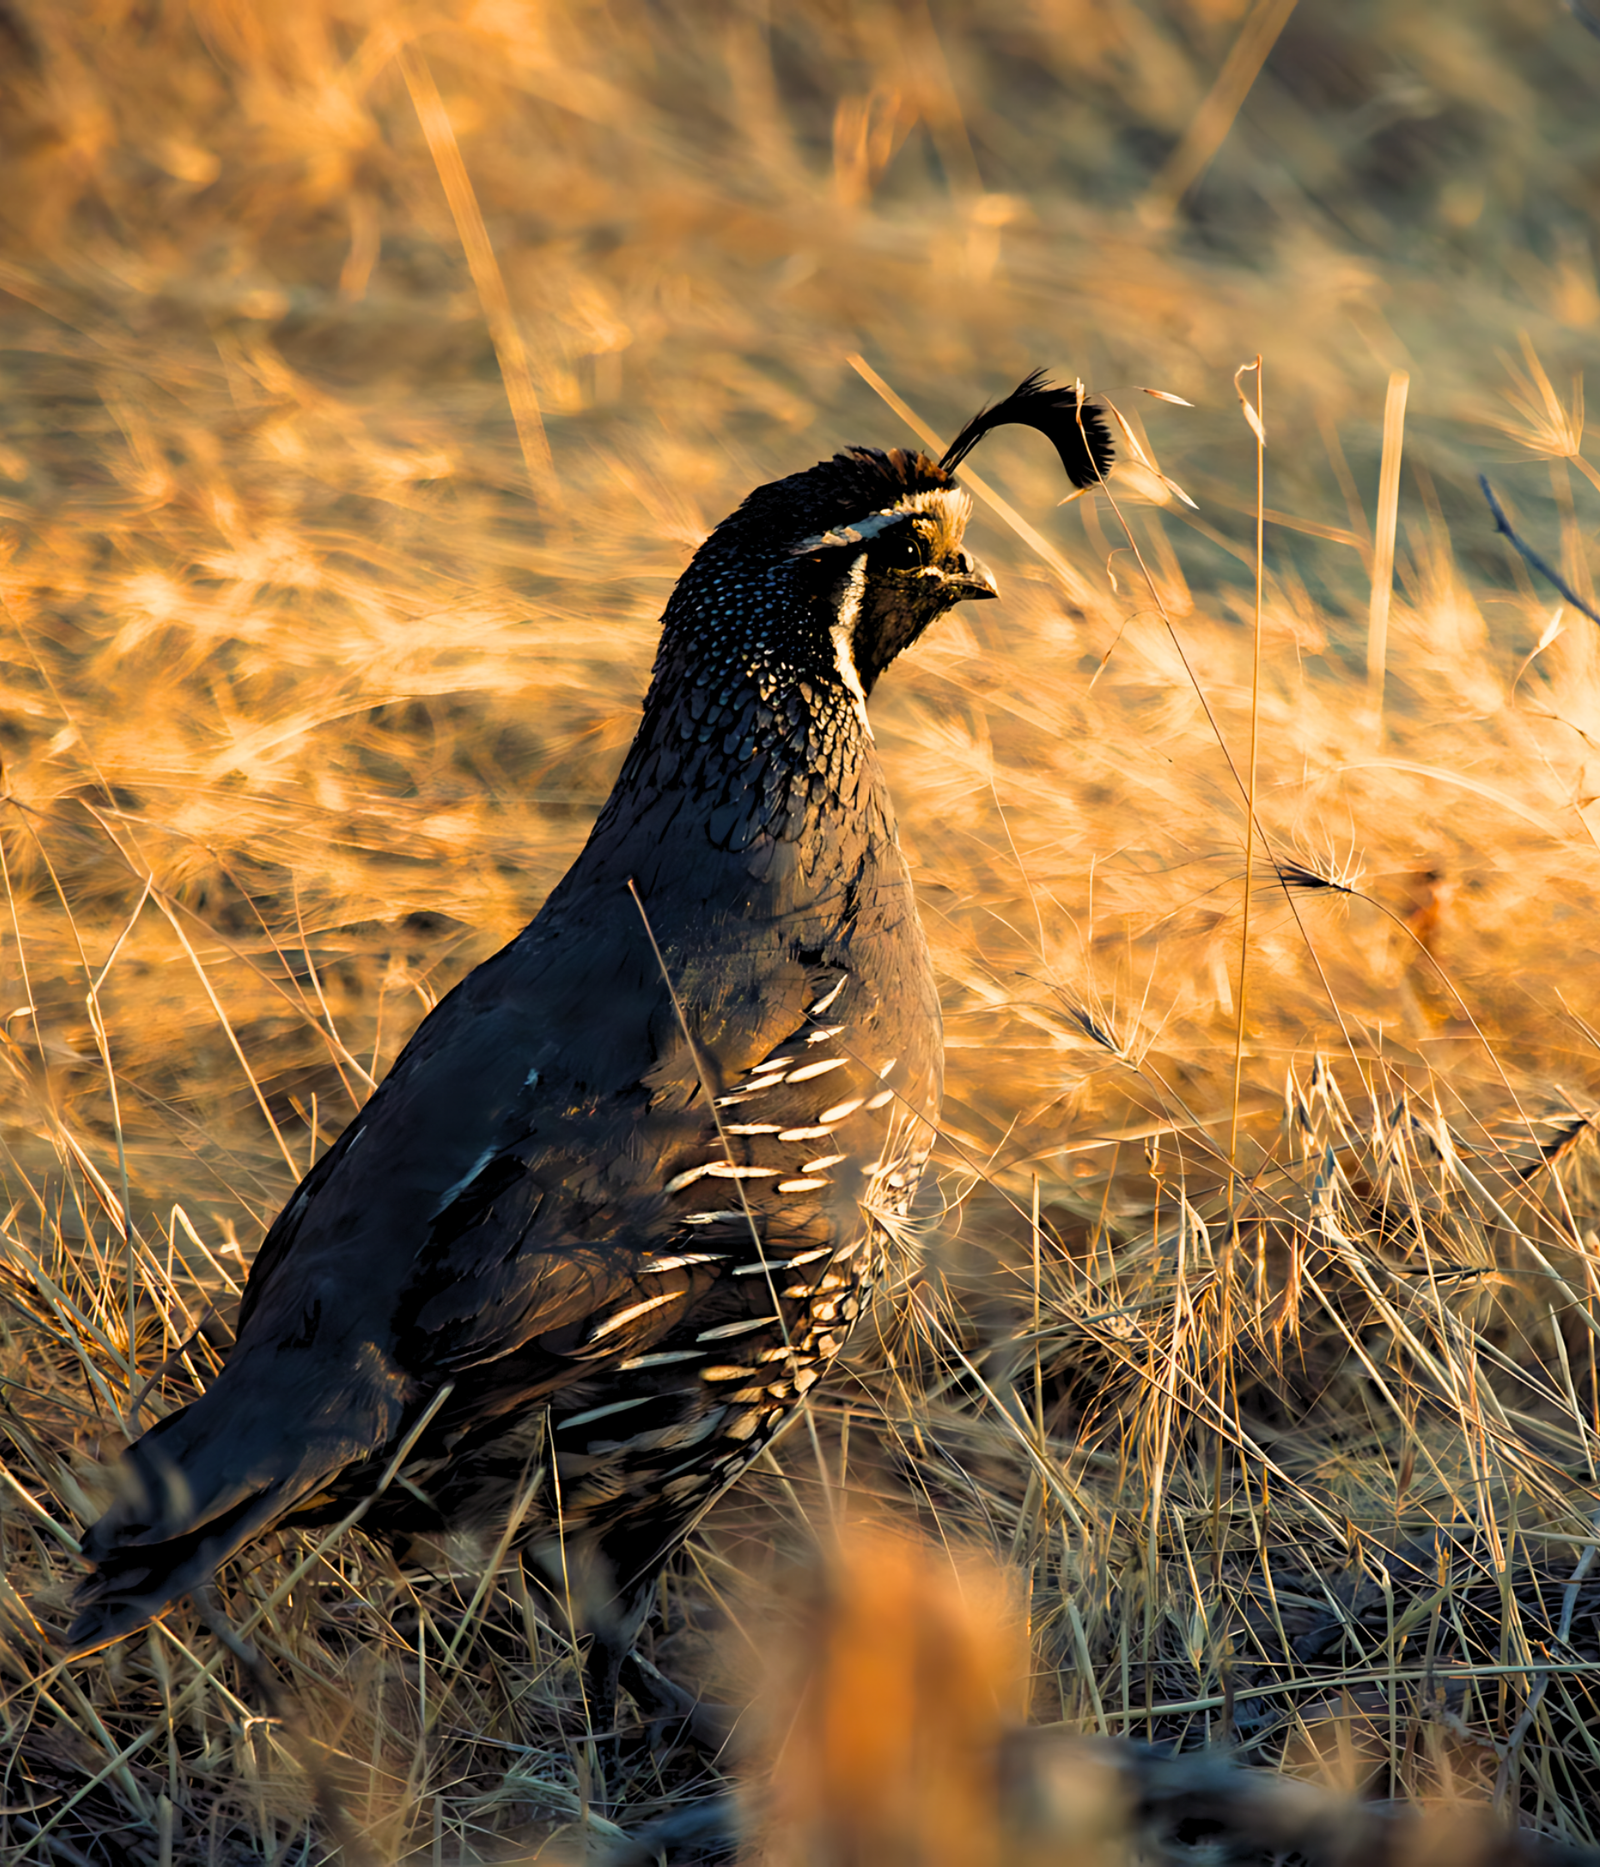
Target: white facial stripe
950, 504
857, 534
843, 632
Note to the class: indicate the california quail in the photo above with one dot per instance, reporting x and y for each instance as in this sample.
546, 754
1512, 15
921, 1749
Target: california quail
616, 1206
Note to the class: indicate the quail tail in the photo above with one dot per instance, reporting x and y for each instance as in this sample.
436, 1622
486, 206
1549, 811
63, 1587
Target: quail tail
189, 1498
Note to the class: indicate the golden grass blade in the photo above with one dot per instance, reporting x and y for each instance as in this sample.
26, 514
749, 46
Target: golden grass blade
504, 331
1208, 130
1255, 415
233, 1042
1388, 516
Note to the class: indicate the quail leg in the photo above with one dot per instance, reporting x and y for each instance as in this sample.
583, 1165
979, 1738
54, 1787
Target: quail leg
665, 1703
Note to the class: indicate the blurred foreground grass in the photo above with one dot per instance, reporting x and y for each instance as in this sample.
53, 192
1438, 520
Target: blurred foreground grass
369, 373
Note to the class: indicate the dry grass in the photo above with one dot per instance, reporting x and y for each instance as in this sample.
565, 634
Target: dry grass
370, 370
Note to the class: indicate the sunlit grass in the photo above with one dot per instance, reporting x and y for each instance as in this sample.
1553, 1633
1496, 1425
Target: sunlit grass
314, 669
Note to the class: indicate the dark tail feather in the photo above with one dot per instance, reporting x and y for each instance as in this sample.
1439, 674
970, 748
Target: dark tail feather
133, 1582
185, 1506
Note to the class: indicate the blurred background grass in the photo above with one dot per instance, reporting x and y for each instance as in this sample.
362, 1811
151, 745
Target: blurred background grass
369, 373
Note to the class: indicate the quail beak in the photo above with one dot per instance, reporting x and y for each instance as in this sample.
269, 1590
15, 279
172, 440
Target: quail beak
970, 579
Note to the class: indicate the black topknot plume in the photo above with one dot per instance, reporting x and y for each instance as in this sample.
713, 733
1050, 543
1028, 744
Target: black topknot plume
1080, 436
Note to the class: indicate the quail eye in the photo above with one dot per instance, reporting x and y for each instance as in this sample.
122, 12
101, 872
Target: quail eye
903, 550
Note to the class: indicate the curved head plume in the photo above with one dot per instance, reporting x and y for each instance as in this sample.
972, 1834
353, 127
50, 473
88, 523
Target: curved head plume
1076, 430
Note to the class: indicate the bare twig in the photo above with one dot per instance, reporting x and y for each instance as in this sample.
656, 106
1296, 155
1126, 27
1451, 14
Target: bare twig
1528, 555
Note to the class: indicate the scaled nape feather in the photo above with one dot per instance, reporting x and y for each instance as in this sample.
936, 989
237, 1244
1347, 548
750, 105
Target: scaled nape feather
618, 1204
